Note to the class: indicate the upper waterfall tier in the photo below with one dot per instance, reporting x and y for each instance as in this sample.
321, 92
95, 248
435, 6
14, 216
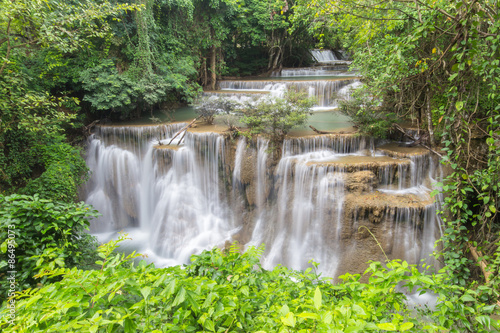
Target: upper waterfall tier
324, 56
340, 69
326, 92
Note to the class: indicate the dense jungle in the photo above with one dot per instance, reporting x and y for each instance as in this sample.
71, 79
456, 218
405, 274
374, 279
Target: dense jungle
427, 71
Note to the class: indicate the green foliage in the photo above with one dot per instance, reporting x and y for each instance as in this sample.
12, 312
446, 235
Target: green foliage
277, 116
107, 90
65, 170
38, 41
38, 234
267, 26
226, 291
42, 163
367, 115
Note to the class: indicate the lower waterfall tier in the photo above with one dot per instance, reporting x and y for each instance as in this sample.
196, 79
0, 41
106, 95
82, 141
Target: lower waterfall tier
333, 198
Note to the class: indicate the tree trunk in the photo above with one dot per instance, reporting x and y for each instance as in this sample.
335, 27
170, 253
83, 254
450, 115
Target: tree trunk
204, 81
271, 56
213, 67
276, 58
430, 126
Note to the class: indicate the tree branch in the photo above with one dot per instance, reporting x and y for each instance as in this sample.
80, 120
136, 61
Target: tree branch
399, 128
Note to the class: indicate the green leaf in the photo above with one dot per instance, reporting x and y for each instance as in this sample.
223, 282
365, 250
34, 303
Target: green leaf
209, 325
427, 280
484, 320
359, 310
181, 295
467, 298
493, 209
289, 319
284, 310
406, 326
130, 326
145, 292
459, 105
327, 319
387, 326
309, 315
245, 290
317, 298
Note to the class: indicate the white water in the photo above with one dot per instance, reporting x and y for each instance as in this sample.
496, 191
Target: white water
176, 205
179, 200
340, 70
324, 56
325, 91
176, 202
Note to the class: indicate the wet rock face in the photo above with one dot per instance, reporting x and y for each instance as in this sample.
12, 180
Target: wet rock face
361, 181
248, 166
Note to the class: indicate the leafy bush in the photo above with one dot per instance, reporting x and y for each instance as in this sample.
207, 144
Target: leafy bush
65, 170
230, 292
43, 163
45, 233
277, 116
366, 114
106, 89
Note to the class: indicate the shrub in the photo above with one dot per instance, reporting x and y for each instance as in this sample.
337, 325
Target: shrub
44, 233
230, 292
366, 114
277, 116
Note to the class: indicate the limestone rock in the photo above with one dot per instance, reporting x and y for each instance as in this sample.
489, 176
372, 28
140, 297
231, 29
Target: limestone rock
361, 181
248, 166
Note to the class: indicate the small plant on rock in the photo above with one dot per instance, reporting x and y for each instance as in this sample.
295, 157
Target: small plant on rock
209, 108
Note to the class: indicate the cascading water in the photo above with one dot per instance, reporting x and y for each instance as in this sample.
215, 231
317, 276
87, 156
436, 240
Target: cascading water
325, 83
325, 91
336, 70
313, 204
170, 193
324, 56
333, 198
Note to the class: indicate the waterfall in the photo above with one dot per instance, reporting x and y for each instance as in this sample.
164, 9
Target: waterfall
324, 56
317, 202
337, 70
325, 91
339, 199
173, 195
310, 201
238, 161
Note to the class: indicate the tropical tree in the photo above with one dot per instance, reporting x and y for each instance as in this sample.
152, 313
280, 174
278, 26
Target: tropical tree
37, 41
275, 117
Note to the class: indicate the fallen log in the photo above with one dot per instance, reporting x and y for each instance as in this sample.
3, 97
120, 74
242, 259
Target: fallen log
320, 132
88, 128
185, 128
182, 137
